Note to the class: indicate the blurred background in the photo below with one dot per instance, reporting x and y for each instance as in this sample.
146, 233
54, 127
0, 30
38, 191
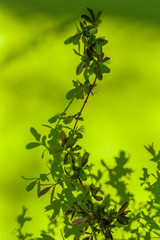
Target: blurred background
36, 71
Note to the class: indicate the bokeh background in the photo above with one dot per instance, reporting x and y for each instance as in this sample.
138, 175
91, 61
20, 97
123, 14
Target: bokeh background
36, 71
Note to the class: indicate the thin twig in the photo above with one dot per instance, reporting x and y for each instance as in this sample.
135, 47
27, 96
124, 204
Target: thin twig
92, 86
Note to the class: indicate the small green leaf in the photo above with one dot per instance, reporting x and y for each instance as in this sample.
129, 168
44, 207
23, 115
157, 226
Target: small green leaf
32, 145
96, 190
123, 208
66, 159
35, 133
68, 119
43, 177
91, 13
38, 187
83, 176
52, 195
80, 93
53, 119
98, 72
56, 149
80, 67
98, 48
78, 134
88, 19
77, 53
98, 198
101, 41
61, 183
70, 95
123, 219
44, 191
84, 160
106, 59
62, 136
104, 68
31, 186
73, 39
44, 140
98, 15
69, 211
79, 221
72, 216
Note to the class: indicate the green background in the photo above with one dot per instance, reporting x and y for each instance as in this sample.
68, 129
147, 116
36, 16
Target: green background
36, 71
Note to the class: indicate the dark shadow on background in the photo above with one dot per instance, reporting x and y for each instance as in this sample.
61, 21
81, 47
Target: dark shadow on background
145, 11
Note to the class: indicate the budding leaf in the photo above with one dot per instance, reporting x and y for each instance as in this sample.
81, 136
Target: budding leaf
88, 19
123, 208
44, 191
80, 67
52, 195
84, 159
91, 13
98, 15
123, 220
62, 136
32, 145
79, 221
98, 198
35, 133
69, 211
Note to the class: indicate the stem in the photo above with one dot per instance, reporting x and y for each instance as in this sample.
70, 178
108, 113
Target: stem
92, 86
65, 110
54, 184
82, 185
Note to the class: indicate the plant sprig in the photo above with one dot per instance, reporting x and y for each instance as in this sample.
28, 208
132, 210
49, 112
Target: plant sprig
70, 162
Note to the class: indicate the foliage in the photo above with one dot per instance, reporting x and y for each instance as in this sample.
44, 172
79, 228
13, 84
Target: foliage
83, 203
